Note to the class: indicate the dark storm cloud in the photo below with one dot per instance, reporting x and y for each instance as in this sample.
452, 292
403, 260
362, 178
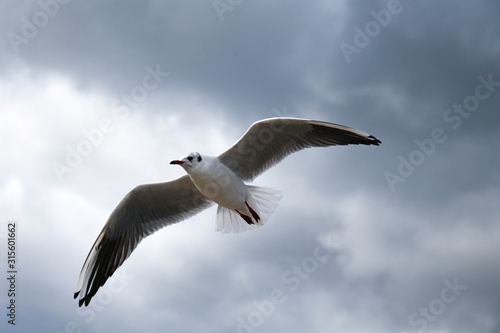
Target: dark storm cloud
400, 252
247, 59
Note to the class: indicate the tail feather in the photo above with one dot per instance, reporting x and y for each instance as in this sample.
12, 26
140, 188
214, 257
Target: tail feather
228, 220
267, 199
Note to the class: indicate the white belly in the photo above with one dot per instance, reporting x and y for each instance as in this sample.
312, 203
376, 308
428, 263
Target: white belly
221, 185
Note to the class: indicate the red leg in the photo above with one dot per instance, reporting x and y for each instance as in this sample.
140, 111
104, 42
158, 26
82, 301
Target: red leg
245, 217
254, 214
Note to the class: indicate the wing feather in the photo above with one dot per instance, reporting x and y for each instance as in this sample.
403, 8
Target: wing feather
144, 210
269, 141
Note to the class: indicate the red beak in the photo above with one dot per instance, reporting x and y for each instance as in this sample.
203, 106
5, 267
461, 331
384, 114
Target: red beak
177, 162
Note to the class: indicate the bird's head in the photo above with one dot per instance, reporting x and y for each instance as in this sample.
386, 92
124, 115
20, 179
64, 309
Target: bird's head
190, 161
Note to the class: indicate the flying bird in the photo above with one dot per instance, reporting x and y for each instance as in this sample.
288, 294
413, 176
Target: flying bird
210, 179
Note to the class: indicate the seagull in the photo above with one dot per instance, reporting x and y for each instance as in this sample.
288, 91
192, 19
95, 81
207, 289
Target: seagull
210, 179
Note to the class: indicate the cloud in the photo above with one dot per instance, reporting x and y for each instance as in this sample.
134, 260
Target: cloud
78, 93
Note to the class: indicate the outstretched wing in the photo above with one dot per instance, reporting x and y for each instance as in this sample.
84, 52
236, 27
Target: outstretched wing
269, 141
144, 210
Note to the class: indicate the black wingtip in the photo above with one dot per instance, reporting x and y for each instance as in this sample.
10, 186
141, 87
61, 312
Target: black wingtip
374, 141
80, 302
85, 300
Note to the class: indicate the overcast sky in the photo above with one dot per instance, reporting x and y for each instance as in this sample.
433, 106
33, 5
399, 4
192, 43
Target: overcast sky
97, 97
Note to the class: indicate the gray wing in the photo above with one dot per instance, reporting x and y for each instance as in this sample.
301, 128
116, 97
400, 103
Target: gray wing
269, 141
144, 210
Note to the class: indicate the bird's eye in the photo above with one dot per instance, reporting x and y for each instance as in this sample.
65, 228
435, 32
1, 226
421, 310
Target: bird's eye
190, 158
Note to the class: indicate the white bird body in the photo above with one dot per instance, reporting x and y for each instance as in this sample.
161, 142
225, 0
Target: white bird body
220, 184
220, 179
